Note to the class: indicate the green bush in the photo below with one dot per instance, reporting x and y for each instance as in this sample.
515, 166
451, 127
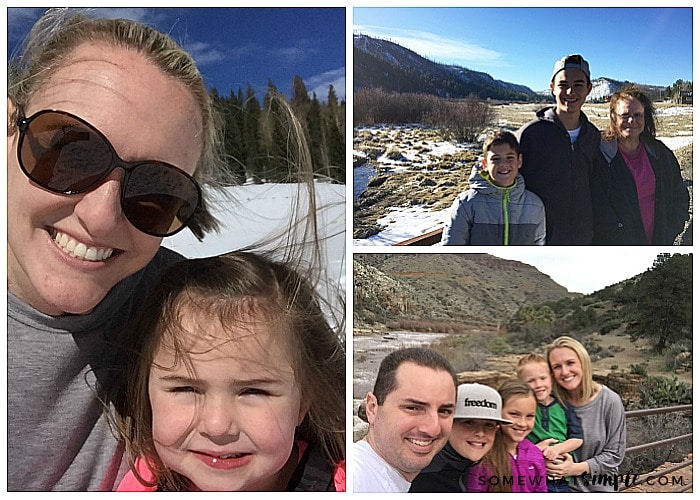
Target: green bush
639, 369
658, 392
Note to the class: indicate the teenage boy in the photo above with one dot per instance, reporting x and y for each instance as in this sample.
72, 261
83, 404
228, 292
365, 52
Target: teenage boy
558, 149
557, 428
496, 209
476, 419
410, 417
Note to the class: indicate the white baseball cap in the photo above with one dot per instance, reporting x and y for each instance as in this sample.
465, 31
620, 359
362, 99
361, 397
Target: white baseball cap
479, 401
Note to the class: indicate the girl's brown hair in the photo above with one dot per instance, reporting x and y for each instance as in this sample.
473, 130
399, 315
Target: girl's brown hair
235, 289
498, 457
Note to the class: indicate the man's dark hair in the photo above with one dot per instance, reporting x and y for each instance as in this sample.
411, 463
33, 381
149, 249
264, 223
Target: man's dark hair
386, 378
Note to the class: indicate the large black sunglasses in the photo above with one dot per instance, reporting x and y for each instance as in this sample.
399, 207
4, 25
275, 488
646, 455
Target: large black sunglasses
65, 154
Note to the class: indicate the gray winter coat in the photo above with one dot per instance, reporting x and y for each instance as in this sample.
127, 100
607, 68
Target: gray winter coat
487, 214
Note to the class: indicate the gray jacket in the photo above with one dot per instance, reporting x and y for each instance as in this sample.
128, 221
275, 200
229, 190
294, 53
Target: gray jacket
487, 214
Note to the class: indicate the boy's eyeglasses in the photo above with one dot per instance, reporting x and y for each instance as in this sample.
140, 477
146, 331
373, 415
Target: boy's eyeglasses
65, 154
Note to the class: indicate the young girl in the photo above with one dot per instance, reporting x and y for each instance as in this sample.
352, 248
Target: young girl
514, 464
237, 383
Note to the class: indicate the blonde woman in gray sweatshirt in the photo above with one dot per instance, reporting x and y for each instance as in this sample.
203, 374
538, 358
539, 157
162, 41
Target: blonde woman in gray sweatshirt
594, 466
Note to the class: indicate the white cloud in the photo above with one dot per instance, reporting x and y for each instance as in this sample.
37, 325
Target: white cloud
320, 83
436, 47
204, 53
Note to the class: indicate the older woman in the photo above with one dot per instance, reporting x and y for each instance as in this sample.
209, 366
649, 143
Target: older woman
638, 194
594, 465
110, 133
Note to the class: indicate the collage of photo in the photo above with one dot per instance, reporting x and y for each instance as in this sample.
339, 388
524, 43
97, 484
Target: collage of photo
350, 249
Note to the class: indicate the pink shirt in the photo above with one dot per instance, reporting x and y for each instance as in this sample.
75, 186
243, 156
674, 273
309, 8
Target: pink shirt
528, 472
644, 178
131, 483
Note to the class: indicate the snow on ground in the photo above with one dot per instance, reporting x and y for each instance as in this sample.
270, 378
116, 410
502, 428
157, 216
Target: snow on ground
404, 223
252, 213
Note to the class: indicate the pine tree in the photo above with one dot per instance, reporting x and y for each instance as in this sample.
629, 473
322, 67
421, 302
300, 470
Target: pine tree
234, 144
275, 133
251, 135
663, 308
317, 140
335, 141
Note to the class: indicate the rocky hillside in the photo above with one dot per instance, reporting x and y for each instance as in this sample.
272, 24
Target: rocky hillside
476, 291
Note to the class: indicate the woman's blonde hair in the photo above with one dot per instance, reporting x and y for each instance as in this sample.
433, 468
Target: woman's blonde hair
587, 386
631, 93
233, 290
60, 31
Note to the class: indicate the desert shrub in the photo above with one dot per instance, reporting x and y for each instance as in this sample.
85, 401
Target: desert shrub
639, 369
679, 355
461, 120
498, 345
372, 106
658, 392
609, 326
467, 352
642, 430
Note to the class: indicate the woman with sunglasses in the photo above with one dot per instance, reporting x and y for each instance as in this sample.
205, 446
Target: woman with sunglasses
110, 134
639, 197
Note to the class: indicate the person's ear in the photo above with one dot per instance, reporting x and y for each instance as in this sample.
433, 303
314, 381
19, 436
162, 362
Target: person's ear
371, 406
11, 125
520, 161
483, 163
303, 410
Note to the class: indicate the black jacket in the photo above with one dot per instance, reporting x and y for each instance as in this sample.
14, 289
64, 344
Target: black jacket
559, 173
445, 474
617, 218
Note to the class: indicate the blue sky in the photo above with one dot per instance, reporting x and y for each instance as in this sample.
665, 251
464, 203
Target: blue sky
519, 45
237, 46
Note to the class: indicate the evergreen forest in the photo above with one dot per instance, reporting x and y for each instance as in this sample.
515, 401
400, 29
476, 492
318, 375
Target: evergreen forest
258, 135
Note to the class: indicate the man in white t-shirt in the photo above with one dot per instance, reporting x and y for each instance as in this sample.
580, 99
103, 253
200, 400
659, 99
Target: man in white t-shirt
410, 414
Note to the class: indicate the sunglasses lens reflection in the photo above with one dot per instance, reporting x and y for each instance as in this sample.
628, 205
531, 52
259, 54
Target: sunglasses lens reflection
64, 154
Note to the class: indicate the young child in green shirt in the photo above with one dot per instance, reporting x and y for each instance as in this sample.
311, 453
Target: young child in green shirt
557, 428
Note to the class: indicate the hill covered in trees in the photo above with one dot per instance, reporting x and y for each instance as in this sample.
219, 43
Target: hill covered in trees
383, 64
656, 305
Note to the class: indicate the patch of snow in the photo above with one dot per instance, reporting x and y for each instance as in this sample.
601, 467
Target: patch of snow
676, 142
402, 224
675, 110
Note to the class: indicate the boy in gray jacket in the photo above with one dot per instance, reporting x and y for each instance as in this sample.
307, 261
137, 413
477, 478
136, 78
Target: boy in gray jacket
497, 209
